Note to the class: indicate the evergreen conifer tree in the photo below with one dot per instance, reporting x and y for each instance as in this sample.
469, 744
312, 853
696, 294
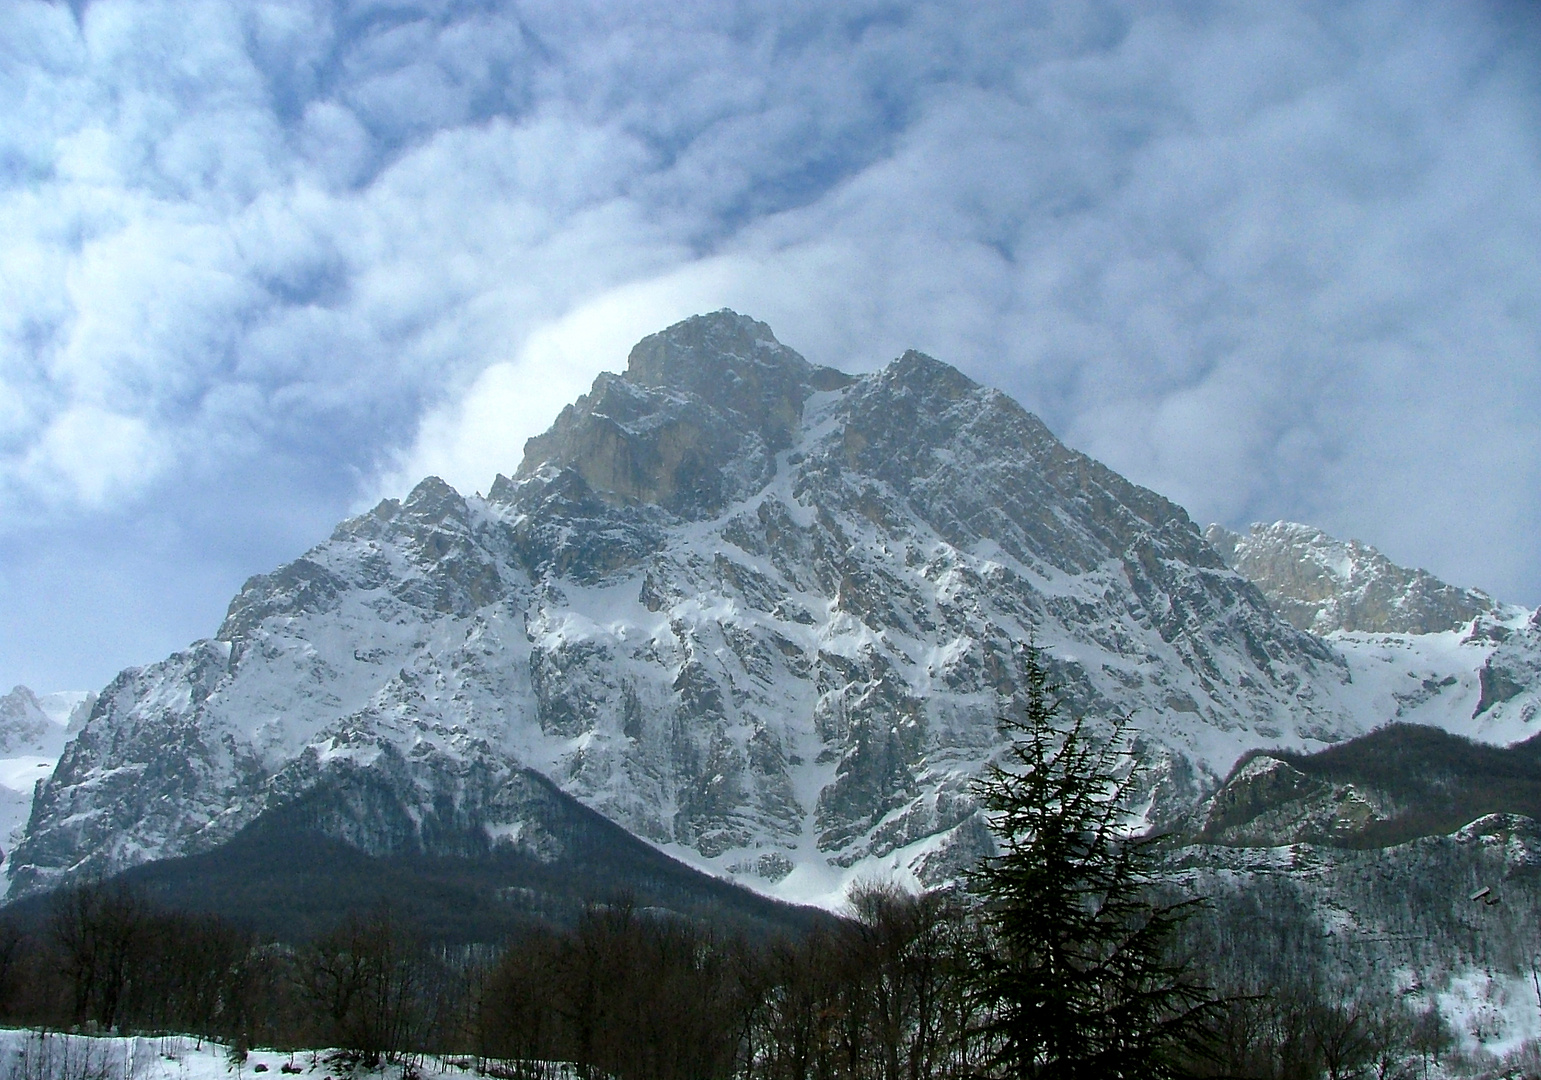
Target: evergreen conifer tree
1075, 978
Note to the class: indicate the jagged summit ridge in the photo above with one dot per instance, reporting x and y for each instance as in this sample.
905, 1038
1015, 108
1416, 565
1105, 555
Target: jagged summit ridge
1419, 651
695, 422
1323, 584
763, 614
733, 363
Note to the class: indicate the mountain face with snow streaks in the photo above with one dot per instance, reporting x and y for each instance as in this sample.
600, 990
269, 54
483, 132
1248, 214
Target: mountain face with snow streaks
764, 614
1510, 677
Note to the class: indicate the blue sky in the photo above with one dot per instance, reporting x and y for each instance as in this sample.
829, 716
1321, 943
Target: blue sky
261, 264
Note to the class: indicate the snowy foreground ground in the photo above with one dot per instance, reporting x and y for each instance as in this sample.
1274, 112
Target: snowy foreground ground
29, 1055
1496, 1024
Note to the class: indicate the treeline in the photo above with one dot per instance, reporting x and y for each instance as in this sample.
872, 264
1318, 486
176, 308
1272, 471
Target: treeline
105, 959
887, 994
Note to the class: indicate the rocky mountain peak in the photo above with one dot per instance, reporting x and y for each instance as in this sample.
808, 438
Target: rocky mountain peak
1323, 584
23, 724
694, 423
732, 363
433, 502
20, 703
978, 467
928, 377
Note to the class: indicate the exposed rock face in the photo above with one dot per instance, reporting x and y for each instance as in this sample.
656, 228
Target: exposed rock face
761, 613
694, 424
1419, 651
1321, 584
1511, 675
33, 724
1269, 802
33, 730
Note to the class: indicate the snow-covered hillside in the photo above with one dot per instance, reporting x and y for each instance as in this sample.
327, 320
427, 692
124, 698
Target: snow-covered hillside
764, 614
1481, 680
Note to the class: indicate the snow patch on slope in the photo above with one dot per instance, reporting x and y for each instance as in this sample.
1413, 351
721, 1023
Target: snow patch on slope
1437, 679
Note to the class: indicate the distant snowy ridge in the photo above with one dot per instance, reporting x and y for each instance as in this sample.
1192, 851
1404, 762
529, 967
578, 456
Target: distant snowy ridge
1323, 584
33, 730
39, 725
765, 615
1418, 650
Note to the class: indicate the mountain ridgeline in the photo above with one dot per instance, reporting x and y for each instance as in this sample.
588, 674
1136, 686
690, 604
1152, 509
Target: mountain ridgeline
765, 616
1324, 585
1393, 785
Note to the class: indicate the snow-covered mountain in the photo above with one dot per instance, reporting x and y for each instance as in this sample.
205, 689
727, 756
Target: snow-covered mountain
764, 614
33, 730
1358, 863
1418, 650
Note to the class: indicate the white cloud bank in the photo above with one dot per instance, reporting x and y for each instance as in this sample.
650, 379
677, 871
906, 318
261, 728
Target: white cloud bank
1274, 260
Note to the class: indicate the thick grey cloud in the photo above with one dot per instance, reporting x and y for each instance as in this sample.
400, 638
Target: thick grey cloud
262, 263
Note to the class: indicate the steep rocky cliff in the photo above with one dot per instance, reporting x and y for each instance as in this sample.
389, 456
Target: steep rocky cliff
33, 730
